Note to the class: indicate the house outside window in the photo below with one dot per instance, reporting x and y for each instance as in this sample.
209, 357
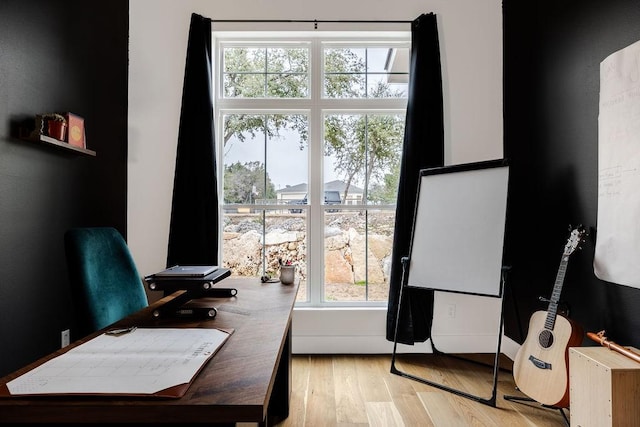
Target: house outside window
310, 130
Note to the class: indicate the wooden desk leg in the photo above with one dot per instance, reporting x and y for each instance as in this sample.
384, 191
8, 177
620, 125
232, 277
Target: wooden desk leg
278, 408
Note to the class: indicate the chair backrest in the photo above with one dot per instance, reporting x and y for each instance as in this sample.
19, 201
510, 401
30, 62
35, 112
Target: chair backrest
105, 283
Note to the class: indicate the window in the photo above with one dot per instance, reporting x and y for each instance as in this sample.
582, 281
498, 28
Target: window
310, 131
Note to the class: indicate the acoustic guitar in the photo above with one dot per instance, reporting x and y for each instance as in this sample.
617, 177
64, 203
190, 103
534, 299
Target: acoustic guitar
541, 366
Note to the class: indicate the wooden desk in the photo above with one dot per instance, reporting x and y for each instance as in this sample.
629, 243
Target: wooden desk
248, 380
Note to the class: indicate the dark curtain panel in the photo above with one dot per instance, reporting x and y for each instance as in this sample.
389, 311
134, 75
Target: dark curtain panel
423, 148
193, 230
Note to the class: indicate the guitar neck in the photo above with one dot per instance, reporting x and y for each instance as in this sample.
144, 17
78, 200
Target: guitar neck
552, 310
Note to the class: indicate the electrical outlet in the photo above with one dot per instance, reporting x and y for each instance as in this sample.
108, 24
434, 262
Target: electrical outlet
65, 337
451, 310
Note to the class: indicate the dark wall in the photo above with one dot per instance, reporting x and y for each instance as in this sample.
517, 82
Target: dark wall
56, 55
553, 51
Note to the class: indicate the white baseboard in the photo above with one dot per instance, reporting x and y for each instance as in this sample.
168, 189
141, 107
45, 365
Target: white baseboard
352, 345
348, 331
380, 345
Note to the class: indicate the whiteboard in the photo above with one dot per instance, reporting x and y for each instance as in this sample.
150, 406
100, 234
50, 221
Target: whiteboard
618, 237
458, 232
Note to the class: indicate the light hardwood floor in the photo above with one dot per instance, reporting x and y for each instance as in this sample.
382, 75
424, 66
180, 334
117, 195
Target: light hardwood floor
360, 390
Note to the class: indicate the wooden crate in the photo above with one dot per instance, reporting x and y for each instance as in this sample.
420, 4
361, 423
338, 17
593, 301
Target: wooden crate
604, 388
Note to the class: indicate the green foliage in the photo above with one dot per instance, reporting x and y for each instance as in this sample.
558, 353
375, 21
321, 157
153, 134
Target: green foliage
243, 126
244, 183
366, 148
345, 76
266, 72
385, 193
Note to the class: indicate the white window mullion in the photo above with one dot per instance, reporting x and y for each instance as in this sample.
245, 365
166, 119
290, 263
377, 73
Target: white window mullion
315, 215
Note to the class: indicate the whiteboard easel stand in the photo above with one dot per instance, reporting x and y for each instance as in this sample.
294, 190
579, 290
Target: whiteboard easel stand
491, 401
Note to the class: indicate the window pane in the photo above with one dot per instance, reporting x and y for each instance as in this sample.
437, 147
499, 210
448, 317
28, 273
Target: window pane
378, 86
373, 72
343, 244
247, 254
380, 226
344, 70
287, 60
286, 243
345, 86
287, 70
377, 59
364, 151
244, 158
388, 69
397, 67
287, 150
357, 255
244, 72
244, 85
254, 149
384, 136
265, 72
344, 60
287, 86
244, 60
344, 149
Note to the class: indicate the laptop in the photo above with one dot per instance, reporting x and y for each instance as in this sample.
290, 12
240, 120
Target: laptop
187, 271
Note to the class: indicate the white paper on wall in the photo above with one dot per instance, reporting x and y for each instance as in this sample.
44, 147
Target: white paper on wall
617, 254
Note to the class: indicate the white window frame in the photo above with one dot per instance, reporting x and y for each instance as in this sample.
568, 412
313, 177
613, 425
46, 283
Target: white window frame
316, 107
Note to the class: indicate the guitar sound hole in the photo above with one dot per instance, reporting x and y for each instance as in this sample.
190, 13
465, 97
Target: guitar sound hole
545, 338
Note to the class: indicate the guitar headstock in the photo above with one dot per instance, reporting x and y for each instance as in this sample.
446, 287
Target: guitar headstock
576, 238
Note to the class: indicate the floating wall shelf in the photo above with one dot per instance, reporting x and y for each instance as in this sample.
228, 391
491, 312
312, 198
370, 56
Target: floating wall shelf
60, 144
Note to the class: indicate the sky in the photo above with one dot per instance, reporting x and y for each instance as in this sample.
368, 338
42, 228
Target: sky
286, 163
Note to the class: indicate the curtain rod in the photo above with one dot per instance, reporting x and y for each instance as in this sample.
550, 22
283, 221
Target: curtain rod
312, 21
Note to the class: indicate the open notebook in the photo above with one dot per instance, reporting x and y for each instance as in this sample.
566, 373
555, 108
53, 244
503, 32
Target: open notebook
187, 271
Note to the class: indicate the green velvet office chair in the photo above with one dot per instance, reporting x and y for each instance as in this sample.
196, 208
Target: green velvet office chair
105, 283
